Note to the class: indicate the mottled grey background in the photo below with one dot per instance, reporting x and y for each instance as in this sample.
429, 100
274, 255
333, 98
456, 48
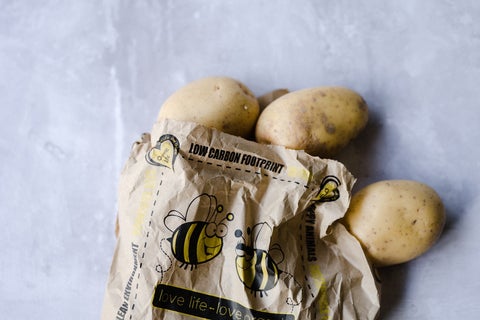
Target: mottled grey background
81, 80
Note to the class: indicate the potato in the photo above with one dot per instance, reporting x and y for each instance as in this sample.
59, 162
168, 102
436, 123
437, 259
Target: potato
395, 220
267, 98
319, 120
218, 102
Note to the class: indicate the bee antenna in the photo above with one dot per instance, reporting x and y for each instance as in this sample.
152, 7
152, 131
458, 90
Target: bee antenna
228, 217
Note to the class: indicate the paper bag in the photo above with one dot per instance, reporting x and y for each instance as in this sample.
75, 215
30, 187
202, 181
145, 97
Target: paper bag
212, 226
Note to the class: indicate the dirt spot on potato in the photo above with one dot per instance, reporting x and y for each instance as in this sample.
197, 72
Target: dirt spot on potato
362, 104
245, 90
329, 127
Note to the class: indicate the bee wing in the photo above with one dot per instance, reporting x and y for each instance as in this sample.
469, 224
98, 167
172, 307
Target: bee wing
261, 234
205, 205
210, 207
173, 220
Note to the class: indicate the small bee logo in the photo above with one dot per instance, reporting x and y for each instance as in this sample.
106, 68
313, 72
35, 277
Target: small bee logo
196, 242
257, 267
328, 190
164, 152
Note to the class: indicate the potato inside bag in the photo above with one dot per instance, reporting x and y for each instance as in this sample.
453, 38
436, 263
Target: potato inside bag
212, 226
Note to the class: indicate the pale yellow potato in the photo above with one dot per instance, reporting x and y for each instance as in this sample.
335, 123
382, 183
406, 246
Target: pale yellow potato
218, 102
319, 120
395, 220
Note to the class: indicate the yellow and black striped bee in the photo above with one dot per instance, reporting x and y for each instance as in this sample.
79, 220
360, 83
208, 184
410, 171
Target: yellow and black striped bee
257, 267
199, 241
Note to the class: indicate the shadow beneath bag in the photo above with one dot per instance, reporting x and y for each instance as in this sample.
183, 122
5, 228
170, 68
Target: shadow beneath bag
361, 156
393, 282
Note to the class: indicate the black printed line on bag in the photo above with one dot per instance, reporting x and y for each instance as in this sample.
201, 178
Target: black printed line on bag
235, 157
304, 264
246, 171
145, 244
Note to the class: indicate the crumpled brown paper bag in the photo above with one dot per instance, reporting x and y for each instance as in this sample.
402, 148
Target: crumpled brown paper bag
213, 226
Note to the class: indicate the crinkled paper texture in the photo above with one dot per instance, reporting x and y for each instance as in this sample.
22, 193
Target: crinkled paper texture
213, 226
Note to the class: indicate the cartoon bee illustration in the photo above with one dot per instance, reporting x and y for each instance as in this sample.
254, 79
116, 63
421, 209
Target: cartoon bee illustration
196, 242
257, 267
328, 190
